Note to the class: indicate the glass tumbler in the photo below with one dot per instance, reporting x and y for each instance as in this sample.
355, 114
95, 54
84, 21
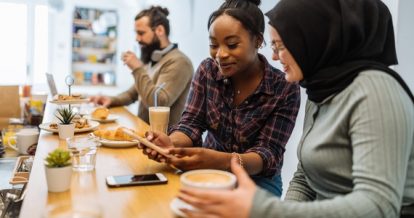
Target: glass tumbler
83, 151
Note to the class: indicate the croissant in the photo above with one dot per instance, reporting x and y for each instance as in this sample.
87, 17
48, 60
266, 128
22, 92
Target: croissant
100, 113
114, 135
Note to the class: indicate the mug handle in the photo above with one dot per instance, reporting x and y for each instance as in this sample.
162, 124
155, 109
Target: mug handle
9, 143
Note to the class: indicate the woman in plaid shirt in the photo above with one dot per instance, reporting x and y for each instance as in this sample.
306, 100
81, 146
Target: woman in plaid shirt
245, 104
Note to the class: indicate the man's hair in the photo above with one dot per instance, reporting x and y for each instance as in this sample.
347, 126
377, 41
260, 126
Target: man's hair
157, 16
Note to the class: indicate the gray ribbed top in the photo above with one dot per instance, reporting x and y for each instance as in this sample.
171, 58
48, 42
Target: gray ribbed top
356, 156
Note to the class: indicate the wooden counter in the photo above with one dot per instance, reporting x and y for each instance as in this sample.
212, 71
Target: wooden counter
88, 189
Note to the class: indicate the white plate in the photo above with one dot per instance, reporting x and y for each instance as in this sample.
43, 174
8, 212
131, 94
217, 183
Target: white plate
92, 125
110, 118
117, 144
176, 204
72, 101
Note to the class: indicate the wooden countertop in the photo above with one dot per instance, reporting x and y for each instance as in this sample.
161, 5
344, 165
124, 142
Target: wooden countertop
89, 190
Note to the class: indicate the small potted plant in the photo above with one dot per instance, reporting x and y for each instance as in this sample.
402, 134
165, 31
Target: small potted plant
58, 168
66, 128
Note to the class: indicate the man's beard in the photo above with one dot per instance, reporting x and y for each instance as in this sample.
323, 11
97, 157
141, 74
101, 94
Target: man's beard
147, 49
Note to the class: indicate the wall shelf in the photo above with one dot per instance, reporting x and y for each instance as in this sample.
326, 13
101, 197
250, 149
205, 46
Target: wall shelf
82, 22
93, 50
94, 38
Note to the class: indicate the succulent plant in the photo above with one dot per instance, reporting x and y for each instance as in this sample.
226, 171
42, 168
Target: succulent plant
58, 158
65, 115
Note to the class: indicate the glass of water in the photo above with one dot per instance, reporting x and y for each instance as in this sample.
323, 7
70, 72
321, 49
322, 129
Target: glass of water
83, 152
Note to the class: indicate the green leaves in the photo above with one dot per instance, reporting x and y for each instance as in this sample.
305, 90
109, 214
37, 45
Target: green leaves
65, 115
58, 158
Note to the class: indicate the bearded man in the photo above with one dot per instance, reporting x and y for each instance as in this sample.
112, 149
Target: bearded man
160, 63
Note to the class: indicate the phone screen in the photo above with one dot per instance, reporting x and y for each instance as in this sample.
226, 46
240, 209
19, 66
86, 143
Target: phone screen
143, 179
135, 178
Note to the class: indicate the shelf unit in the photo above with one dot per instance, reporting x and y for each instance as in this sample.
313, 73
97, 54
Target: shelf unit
94, 40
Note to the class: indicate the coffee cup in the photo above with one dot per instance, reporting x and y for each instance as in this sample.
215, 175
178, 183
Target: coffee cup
24, 138
159, 118
206, 180
209, 179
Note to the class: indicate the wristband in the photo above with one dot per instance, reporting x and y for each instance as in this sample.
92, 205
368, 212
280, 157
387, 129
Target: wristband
239, 158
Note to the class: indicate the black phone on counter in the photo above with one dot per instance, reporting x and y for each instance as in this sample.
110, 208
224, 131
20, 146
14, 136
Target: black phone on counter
131, 180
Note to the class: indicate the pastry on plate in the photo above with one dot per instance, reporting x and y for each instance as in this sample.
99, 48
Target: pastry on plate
100, 113
61, 97
113, 135
81, 123
53, 125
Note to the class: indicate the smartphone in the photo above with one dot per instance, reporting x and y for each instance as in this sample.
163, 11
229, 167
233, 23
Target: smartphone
147, 143
129, 180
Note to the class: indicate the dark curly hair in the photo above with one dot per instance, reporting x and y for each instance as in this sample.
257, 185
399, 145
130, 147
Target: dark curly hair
157, 16
245, 11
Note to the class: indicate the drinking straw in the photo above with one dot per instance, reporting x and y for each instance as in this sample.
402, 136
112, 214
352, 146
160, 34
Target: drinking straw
157, 91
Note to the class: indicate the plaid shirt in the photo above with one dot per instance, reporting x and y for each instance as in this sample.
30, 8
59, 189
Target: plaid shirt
261, 124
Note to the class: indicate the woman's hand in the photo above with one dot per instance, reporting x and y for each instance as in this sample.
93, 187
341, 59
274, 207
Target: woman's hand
198, 158
222, 203
160, 139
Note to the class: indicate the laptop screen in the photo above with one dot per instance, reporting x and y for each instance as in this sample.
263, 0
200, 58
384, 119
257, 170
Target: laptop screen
51, 83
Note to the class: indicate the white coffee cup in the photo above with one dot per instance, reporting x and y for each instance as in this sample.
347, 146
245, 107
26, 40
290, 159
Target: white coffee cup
24, 139
203, 179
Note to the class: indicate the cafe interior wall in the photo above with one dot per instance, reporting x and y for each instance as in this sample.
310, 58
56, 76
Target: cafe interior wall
188, 20
60, 42
404, 17
188, 29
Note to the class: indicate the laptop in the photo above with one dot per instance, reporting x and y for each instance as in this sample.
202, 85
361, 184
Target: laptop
51, 83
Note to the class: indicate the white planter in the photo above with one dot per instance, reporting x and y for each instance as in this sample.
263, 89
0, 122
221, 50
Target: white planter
58, 179
66, 130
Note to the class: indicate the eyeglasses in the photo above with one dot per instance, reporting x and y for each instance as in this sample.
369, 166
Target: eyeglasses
276, 47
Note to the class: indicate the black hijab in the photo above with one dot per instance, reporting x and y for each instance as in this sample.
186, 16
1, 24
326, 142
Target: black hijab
334, 40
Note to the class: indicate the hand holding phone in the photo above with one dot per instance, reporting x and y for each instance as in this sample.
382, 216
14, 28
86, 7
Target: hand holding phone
131, 180
147, 143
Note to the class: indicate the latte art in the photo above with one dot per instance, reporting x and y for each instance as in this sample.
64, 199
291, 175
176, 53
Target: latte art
209, 179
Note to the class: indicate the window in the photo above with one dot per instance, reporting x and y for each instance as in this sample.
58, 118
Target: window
13, 42
24, 37
40, 58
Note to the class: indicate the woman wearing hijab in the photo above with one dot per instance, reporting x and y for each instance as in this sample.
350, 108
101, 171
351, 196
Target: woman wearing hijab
356, 156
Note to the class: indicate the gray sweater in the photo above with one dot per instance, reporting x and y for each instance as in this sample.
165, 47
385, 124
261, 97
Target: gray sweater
356, 156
